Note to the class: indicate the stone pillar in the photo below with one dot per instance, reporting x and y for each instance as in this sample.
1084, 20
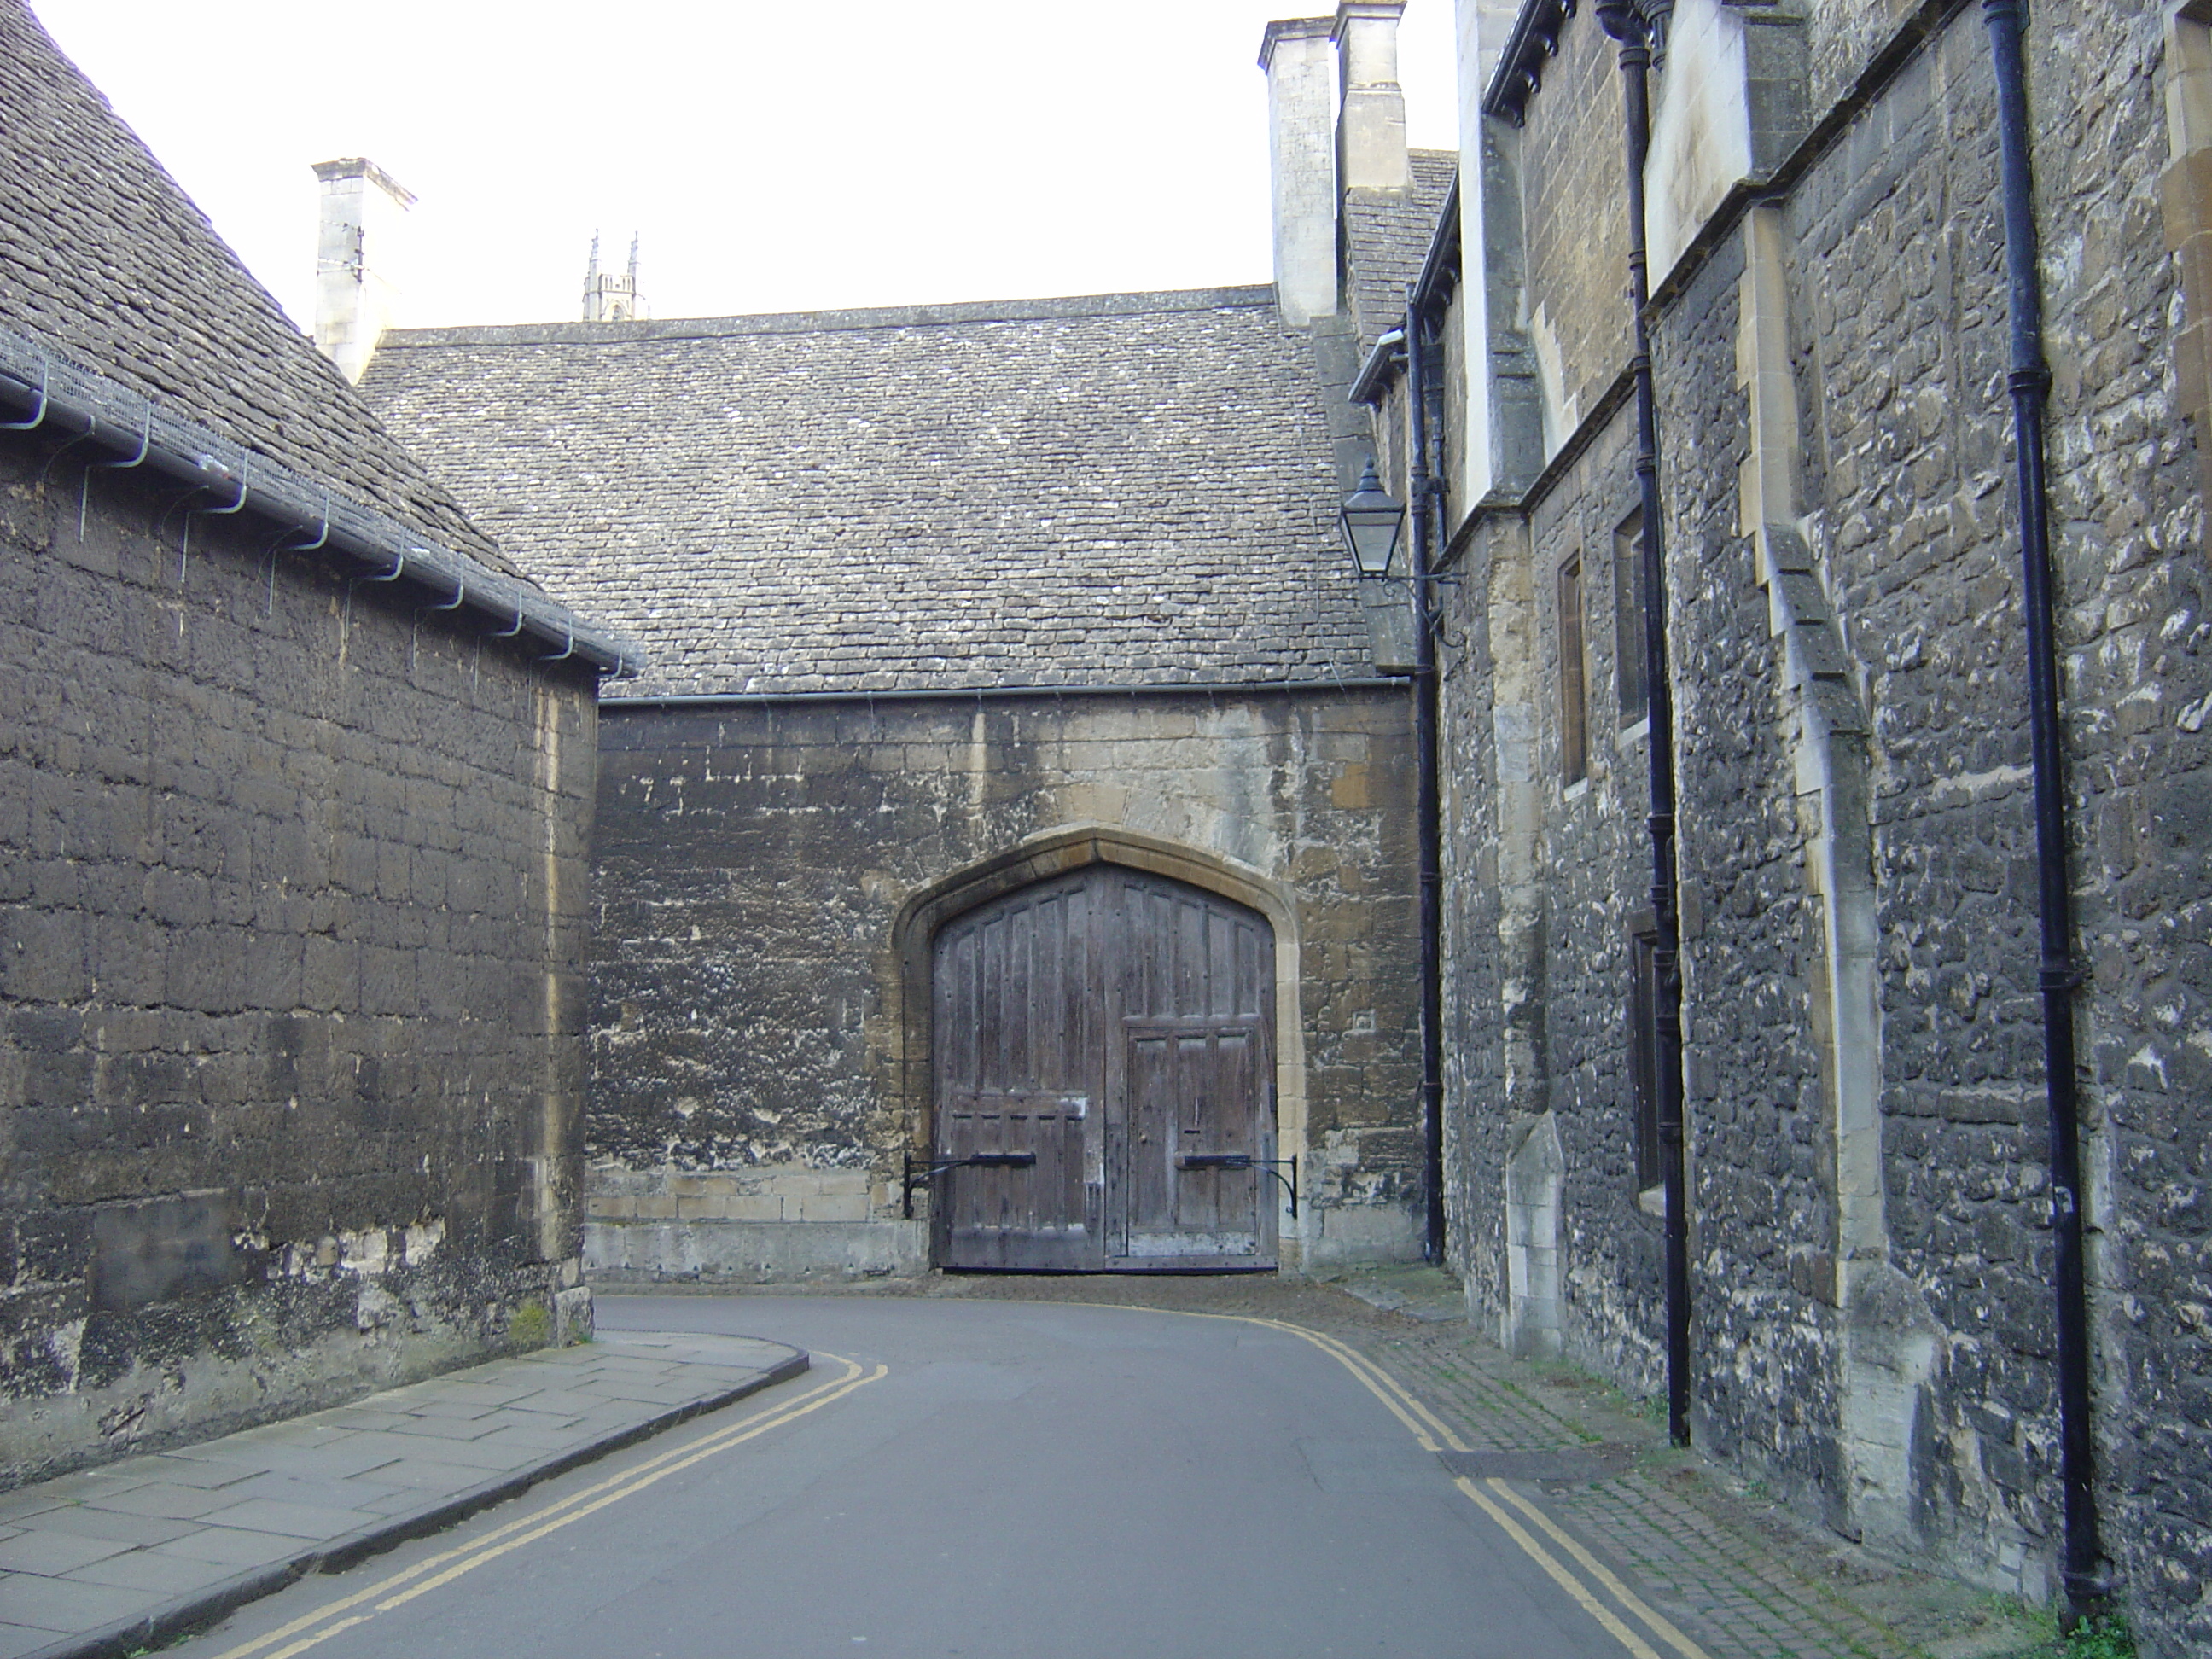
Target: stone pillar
1302, 164
1370, 132
1890, 1337
358, 241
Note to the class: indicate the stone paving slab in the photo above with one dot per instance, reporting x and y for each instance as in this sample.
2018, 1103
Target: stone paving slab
121, 1558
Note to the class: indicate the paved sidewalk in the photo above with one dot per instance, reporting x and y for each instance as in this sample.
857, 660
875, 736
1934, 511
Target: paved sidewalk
119, 1558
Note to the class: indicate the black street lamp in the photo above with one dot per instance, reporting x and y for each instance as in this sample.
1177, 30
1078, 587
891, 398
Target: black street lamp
1372, 519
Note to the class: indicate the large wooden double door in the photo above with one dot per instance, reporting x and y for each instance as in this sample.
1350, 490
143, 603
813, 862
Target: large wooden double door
1114, 1025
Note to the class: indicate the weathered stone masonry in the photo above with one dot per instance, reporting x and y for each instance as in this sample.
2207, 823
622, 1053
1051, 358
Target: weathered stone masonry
1873, 1322
1896, 334
756, 1040
939, 586
292, 895
292, 870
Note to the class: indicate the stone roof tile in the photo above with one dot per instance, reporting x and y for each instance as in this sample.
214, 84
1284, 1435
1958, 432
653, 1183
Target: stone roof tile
104, 258
1386, 235
1125, 489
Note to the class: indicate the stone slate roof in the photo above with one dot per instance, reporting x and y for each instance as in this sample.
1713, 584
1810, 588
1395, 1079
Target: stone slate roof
1386, 235
1131, 488
104, 258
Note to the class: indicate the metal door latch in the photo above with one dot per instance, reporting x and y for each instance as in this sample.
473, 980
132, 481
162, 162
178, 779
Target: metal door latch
919, 1175
1273, 1166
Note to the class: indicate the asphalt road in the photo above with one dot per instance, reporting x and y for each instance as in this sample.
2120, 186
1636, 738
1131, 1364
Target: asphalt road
1000, 1479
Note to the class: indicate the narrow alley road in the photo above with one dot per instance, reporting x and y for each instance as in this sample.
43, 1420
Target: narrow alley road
988, 1478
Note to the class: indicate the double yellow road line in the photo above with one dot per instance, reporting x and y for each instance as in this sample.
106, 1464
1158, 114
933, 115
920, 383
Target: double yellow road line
1497, 1499
425, 1576
1594, 1587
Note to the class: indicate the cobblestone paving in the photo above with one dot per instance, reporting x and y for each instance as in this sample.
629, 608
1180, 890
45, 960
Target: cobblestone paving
1741, 1577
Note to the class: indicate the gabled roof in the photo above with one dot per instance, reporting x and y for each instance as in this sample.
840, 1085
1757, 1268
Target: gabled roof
105, 259
1387, 235
1129, 489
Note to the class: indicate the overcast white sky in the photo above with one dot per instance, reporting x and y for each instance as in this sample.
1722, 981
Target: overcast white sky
776, 154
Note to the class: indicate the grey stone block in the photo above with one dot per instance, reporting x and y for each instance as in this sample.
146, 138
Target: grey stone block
229, 1547
173, 1502
148, 1570
53, 1553
133, 1530
69, 1606
270, 1515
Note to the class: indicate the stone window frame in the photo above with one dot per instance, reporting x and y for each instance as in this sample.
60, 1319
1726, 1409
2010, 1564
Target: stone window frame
1570, 673
1630, 602
2185, 205
1639, 1010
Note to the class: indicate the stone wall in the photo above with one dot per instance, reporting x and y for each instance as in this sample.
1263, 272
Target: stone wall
753, 1030
1571, 162
1763, 1165
1897, 343
1552, 874
292, 906
1873, 1326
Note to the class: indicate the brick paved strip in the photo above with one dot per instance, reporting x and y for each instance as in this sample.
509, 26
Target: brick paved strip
102, 1564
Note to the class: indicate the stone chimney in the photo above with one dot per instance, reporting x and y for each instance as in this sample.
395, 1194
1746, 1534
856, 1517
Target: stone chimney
1370, 132
1302, 164
358, 245
609, 296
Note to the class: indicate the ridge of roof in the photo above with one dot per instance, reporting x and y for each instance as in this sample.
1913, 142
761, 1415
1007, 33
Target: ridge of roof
824, 322
105, 255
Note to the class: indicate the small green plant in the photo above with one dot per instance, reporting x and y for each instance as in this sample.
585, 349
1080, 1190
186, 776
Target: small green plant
532, 1327
2097, 1638
2103, 1638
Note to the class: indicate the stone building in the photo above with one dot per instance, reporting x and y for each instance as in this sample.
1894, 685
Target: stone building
966, 620
1016, 776
295, 781
1870, 1209
1017, 771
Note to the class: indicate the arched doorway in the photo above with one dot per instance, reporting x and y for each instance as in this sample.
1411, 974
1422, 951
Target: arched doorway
1115, 1027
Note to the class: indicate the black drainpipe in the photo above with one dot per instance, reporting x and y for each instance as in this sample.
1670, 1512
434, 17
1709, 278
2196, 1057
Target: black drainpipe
1626, 23
1428, 810
2087, 1586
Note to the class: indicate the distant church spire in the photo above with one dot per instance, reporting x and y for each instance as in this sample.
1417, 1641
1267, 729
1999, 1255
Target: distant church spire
608, 297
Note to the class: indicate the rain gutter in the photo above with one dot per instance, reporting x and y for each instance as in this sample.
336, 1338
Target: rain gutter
50, 396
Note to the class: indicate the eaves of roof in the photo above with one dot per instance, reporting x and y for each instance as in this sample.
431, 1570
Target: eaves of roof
49, 394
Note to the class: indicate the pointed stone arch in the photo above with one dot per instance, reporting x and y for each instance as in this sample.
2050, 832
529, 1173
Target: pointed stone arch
1058, 852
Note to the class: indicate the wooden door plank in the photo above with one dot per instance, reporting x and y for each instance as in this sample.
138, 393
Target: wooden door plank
1111, 1024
